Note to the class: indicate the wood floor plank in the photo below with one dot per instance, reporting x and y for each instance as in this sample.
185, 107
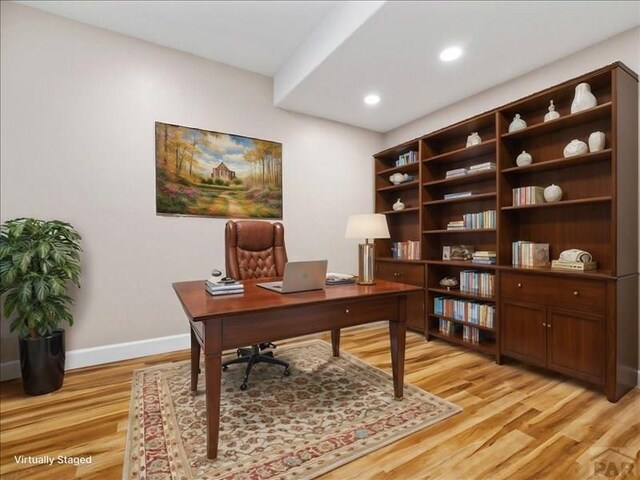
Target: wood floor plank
518, 422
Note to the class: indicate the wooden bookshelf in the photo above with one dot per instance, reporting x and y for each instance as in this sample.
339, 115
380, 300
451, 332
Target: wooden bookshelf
581, 324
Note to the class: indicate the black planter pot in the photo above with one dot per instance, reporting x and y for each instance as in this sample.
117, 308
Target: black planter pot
42, 363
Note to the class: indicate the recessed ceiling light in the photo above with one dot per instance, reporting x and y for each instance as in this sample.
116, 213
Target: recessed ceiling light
372, 99
450, 54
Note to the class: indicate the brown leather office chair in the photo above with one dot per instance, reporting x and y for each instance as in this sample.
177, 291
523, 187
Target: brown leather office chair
254, 249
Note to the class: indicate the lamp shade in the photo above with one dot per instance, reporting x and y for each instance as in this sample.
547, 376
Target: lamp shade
367, 225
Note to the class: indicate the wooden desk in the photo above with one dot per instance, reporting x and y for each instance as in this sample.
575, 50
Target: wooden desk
259, 315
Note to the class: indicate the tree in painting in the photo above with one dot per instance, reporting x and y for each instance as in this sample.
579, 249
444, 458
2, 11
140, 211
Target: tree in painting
199, 172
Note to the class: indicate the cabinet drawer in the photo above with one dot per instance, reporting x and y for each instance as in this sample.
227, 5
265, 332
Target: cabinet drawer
412, 274
577, 294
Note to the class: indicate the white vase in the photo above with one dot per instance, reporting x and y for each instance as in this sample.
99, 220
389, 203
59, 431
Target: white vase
398, 205
473, 139
596, 141
551, 114
583, 98
524, 159
552, 193
575, 147
517, 123
396, 178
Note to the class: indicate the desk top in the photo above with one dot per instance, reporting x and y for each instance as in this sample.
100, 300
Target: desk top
199, 305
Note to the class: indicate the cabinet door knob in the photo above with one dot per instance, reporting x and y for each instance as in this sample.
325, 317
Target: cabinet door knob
576, 293
346, 310
548, 325
396, 274
544, 324
519, 285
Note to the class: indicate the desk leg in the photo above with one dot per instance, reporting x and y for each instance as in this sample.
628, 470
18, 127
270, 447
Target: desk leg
397, 337
195, 361
335, 342
213, 377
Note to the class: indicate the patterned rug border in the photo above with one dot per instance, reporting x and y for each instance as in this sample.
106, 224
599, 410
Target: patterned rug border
454, 409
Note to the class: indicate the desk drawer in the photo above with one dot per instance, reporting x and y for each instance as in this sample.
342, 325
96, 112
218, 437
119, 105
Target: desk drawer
412, 274
292, 322
572, 293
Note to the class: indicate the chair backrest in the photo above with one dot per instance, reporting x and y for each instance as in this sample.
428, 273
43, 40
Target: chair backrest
254, 249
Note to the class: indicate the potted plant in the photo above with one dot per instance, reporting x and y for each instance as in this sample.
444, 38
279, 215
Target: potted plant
38, 259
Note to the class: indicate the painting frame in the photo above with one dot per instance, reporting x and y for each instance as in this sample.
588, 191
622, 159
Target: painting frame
211, 174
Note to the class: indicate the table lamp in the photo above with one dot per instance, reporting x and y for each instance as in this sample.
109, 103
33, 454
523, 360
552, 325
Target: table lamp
367, 226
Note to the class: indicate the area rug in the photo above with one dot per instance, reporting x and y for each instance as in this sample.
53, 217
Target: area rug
330, 411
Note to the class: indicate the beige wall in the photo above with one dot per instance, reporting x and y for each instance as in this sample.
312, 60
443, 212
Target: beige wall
624, 47
78, 108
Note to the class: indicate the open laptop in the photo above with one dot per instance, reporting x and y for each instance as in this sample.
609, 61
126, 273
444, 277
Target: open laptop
300, 277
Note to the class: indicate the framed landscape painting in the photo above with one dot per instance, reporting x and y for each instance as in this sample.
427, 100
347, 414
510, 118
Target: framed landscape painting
213, 174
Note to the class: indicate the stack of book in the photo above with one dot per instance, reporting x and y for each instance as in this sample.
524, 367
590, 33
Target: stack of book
480, 167
217, 287
529, 254
455, 225
449, 196
580, 266
528, 196
470, 334
484, 257
456, 172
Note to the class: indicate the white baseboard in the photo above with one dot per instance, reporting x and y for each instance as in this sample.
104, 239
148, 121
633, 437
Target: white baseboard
86, 357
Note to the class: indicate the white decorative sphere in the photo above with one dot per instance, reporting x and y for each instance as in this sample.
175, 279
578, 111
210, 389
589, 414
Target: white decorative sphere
552, 193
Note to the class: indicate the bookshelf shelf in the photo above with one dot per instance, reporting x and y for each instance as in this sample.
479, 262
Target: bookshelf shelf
462, 179
461, 264
468, 198
562, 203
408, 168
462, 322
561, 162
564, 122
457, 232
464, 153
401, 212
484, 347
460, 294
402, 186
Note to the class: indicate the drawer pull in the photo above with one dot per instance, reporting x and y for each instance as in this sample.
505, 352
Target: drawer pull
519, 285
346, 310
576, 293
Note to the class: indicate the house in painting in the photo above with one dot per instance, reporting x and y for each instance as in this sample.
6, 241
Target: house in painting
223, 173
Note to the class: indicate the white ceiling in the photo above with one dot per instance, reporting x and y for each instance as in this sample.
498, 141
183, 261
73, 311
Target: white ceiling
325, 56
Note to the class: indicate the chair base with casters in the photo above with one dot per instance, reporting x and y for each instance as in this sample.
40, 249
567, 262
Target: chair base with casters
253, 356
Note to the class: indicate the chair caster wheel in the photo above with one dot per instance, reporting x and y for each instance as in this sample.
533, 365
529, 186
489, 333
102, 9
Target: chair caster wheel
287, 373
225, 368
243, 387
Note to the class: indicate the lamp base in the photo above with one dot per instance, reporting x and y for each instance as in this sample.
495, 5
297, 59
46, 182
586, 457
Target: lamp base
366, 259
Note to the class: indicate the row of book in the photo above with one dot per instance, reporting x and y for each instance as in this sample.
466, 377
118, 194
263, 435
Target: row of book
216, 287
529, 254
473, 221
482, 314
528, 196
407, 158
484, 257
409, 250
477, 283
469, 334
480, 167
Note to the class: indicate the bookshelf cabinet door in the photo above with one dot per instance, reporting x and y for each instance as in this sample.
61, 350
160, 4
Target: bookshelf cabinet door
576, 344
524, 331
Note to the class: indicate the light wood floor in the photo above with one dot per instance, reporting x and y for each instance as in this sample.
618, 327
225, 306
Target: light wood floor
517, 423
